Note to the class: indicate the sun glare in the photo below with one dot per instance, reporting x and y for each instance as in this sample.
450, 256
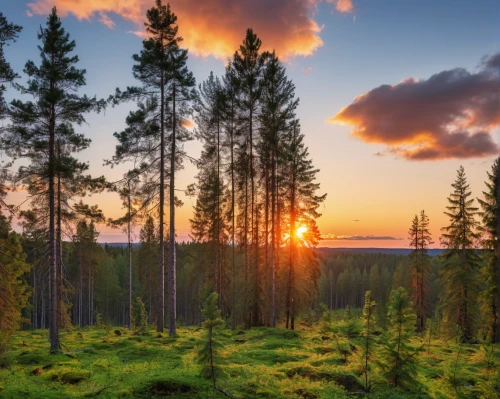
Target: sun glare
300, 231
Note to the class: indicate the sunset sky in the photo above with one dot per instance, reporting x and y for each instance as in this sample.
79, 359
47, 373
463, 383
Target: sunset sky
394, 95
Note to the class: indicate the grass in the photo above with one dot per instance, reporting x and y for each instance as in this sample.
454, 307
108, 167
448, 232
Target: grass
261, 363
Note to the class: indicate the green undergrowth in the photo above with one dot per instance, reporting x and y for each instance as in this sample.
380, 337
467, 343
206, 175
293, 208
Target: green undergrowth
260, 363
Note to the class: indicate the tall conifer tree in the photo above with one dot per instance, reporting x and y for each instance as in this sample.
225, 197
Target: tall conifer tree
164, 101
209, 221
491, 271
461, 261
248, 64
278, 105
38, 125
398, 360
299, 188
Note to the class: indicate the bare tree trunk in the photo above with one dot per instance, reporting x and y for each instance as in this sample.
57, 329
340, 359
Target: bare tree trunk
265, 273
35, 298
160, 316
218, 261
254, 240
129, 262
233, 299
54, 297
80, 287
150, 318
273, 238
171, 253
247, 262
59, 241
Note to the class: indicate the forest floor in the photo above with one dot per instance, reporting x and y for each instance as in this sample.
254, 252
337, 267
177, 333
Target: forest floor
260, 363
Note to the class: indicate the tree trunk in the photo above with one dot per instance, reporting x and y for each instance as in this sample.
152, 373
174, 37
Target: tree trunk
160, 315
171, 253
59, 265
129, 263
54, 297
273, 239
233, 299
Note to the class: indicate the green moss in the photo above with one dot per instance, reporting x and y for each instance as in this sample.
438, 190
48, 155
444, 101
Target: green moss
259, 363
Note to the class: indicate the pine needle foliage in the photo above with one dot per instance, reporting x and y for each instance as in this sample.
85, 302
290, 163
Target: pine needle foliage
9, 32
207, 355
399, 362
368, 348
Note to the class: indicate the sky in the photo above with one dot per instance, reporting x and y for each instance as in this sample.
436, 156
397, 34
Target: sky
394, 95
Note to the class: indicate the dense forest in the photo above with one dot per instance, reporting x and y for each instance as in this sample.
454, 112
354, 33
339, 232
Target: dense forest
252, 270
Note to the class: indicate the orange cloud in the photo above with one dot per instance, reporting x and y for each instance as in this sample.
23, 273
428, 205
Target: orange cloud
344, 6
449, 115
216, 27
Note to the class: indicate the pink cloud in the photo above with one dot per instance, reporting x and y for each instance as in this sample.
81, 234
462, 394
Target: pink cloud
449, 115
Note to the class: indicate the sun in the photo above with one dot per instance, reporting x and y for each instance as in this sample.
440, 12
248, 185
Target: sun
300, 231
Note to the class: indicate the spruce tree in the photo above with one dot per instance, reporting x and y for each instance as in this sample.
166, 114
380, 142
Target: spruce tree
207, 356
398, 357
491, 270
368, 349
38, 126
461, 261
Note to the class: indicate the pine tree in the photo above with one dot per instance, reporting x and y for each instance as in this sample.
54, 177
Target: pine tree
230, 85
207, 356
164, 102
278, 105
491, 270
209, 222
399, 362
368, 349
461, 261
299, 188
37, 127
420, 239
248, 65
181, 93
